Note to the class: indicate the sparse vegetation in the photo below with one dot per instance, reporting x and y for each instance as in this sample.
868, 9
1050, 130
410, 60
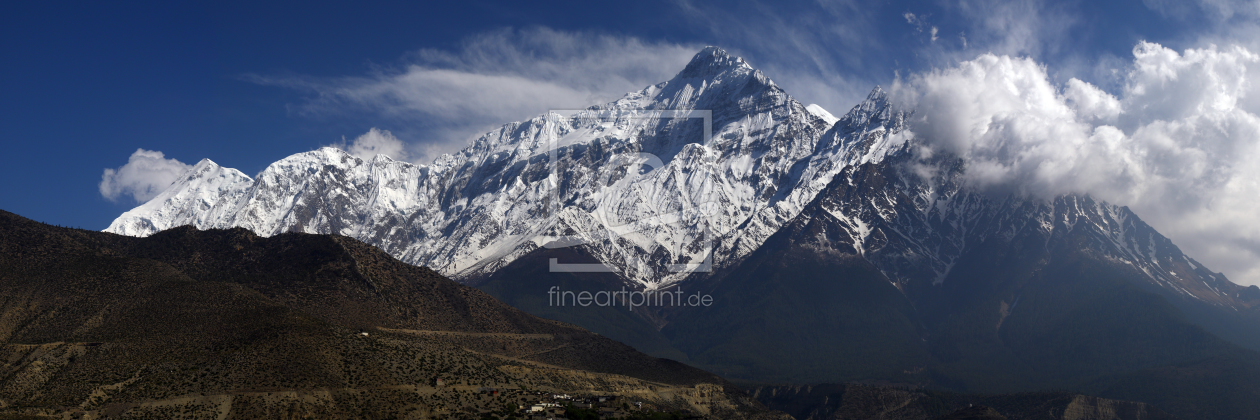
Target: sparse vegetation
188, 324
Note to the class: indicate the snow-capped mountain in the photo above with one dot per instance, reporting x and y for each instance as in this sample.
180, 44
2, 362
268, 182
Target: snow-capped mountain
914, 218
199, 197
643, 185
898, 271
835, 249
467, 214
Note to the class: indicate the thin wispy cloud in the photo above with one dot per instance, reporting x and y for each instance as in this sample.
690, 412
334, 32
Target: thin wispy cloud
922, 26
1216, 11
827, 53
1023, 27
442, 98
834, 52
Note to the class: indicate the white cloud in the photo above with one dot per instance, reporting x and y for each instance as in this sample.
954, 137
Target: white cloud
442, 98
920, 23
1180, 145
1165, 85
1090, 102
1012, 126
145, 175
376, 142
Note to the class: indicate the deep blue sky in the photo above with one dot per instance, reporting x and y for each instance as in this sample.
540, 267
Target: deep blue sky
84, 84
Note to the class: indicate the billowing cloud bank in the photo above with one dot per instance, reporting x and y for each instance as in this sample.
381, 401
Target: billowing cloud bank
145, 175
1180, 144
376, 142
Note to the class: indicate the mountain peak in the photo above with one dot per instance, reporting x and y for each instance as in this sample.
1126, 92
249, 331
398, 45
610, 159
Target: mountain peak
821, 112
877, 94
203, 163
875, 110
711, 61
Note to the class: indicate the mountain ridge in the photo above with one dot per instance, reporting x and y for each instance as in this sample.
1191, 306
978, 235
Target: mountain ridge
491, 195
716, 199
837, 251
